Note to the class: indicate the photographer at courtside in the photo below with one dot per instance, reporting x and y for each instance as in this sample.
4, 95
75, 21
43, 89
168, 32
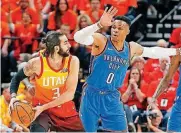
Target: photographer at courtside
149, 121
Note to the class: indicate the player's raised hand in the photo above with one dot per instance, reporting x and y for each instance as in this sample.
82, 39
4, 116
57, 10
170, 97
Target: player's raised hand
107, 16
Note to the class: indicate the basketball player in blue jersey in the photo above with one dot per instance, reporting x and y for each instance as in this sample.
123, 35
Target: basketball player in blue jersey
174, 122
111, 58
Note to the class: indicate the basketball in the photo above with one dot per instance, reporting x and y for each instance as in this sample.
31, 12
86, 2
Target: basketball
23, 113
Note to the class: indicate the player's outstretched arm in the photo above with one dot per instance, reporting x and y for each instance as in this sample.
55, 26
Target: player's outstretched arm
153, 52
71, 85
84, 36
175, 62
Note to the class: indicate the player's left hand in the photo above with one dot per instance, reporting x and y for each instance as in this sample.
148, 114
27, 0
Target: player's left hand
107, 16
152, 104
38, 111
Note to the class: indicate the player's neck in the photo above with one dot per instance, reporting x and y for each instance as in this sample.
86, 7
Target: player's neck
118, 43
55, 58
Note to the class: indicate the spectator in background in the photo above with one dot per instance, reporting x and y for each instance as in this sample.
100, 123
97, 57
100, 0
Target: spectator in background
79, 6
125, 7
134, 92
138, 62
152, 122
3, 15
24, 7
83, 21
82, 51
65, 29
4, 52
25, 31
95, 11
175, 38
6, 4
153, 64
62, 15
46, 5
161, 70
5, 118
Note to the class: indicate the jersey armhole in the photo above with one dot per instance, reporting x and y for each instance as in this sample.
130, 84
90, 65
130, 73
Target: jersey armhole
70, 58
104, 46
41, 62
130, 58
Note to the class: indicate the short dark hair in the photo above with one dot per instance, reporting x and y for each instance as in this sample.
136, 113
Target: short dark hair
123, 18
51, 40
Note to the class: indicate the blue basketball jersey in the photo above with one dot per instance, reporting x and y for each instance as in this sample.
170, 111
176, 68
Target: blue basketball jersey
108, 69
179, 86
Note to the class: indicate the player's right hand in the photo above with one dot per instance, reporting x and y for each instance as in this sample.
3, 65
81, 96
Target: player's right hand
107, 16
11, 104
152, 104
18, 128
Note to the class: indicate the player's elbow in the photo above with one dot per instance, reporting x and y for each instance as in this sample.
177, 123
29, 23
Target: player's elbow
81, 38
77, 36
71, 95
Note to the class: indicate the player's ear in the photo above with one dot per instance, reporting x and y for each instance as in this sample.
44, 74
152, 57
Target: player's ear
56, 48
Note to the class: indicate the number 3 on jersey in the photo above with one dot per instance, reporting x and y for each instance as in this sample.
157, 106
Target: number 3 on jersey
110, 78
56, 93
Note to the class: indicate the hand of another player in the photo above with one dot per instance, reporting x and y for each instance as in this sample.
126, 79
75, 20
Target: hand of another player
107, 16
38, 111
18, 128
152, 104
11, 106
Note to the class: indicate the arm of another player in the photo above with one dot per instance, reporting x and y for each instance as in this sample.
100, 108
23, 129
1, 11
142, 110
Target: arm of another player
71, 85
175, 62
32, 67
152, 52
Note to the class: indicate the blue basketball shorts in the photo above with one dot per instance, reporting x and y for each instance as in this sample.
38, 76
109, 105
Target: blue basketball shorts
174, 122
102, 105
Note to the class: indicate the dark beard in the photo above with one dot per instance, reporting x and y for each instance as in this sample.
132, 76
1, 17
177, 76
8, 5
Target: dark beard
62, 53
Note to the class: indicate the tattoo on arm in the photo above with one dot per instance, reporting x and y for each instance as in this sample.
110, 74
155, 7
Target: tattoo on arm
29, 69
161, 87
